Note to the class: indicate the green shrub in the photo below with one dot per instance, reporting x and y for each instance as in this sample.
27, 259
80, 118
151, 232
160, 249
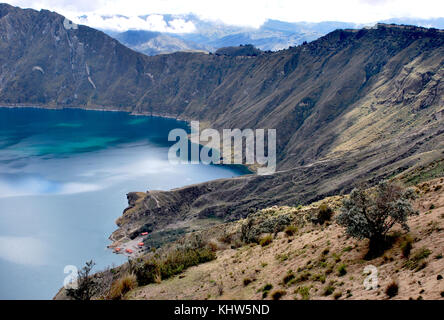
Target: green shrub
342, 270
372, 214
417, 261
246, 281
265, 241
319, 277
282, 257
304, 292
328, 290
336, 257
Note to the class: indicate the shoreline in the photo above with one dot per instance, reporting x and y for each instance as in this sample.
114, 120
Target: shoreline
98, 108
249, 169
243, 169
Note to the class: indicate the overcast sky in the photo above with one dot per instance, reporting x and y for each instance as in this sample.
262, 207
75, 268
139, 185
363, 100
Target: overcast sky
239, 12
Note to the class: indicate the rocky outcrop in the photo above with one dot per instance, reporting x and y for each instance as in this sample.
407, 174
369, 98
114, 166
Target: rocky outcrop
247, 50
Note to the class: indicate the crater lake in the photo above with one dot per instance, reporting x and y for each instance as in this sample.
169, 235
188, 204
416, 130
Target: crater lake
64, 176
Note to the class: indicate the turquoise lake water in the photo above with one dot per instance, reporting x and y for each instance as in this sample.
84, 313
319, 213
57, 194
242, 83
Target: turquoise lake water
64, 176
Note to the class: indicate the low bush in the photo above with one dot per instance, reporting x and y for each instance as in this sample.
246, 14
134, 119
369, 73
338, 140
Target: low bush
319, 277
290, 276
328, 290
304, 292
276, 295
342, 270
154, 269
212, 246
226, 237
122, 286
304, 276
406, 246
265, 241
337, 295
267, 287
392, 289
257, 225
416, 262
325, 213
291, 230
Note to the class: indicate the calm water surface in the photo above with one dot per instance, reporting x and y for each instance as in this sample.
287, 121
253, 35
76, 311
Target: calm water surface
64, 175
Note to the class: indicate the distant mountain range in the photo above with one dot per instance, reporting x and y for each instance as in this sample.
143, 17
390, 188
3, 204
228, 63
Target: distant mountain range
210, 36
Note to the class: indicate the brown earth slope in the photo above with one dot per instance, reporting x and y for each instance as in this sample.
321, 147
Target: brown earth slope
313, 257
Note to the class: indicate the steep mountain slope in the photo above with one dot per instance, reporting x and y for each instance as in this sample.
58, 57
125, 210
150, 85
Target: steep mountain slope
44, 63
354, 105
153, 43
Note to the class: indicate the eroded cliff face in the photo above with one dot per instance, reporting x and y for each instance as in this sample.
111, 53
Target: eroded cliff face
363, 120
323, 92
353, 106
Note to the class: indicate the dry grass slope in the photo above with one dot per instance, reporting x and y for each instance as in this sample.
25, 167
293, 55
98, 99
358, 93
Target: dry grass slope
316, 261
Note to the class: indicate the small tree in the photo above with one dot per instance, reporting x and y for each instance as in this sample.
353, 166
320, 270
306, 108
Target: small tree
371, 214
84, 283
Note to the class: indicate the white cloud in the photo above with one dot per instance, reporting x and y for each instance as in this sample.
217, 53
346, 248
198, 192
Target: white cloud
245, 12
153, 22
